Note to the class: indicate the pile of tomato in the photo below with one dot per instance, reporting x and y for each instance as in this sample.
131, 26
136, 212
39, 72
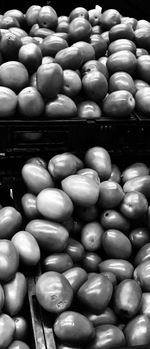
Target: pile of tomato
85, 65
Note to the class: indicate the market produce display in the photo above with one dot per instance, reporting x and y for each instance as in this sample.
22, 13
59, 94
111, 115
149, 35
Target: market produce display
85, 65
87, 223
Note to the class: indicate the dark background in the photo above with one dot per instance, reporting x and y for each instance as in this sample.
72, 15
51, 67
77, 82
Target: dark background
139, 9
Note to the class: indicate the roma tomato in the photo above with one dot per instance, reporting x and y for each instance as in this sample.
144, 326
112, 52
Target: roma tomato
82, 190
107, 336
95, 85
106, 317
71, 83
95, 294
57, 262
53, 292
111, 276
27, 248
79, 29
142, 275
21, 330
18, 344
88, 110
69, 58
115, 174
120, 45
86, 50
143, 66
7, 330
142, 37
9, 260
109, 18
127, 298
134, 170
140, 184
134, 205
15, 292
76, 277
137, 331
91, 262
122, 61
51, 237
73, 328
62, 165
121, 31
142, 255
139, 237
52, 44
28, 202
121, 81
111, 194
99, 159
61, 107
145, 304
36, 178
112, 219
75, 250
142, 100
91, 236
118, 104
78, 12
116, 244
47, 17
54, 204
10, 222
120, 267
90, 173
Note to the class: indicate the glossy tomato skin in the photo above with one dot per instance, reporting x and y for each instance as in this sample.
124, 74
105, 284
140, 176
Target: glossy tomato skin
139, 237
99, 44
75, 250
120, 45
27, 248
106, 317
115, 174
139, 183
91, 262
143, 66
28, 202
82, 190
36, 178
18, 344
87, 52
137, 331
142, 100
112, 219
94, 65
107, 335
73, 328
78, 12
51, 237
143, 254
145, 304
121, 81
10, 222
95, 85
139, 84
90, 173
54, 204
88, 110
134, 205
142, 37
111, 194
9, 260
79, 29
116, 244
91, 236
127, 298
62, 165
122, 61
47, 17
98, 158
21, 330
69, 58
120, 267
60, 107
7, 326
109, 18
118, 104
121, 31
111, 276
76, 277
57, 262
142, 275
52, 44
134, 170
15, 292
95, 293
53, 292
72, 83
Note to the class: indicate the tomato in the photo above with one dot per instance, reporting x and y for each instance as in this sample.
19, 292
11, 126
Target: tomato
52, 44
95, 85
139, 183
121, 31
53, 292
120, 45
105, 36
10, 45
27, 247
78, 12
58, 262
145, 304
115, 174
76, 277
73, 328
46, 59
7, 330
41, 33
94, 65
21, 330
120, 267
49, 75
118, 104
62, 165
72, 83
14, 75
99, 159
30, 55
90, 173
10, 222
36, 178
129, 21
134, 205
142, 275
140, 84
134, 170
18, 32
122, 61
63, 19
111, 276
127, 298
99, 45
137, 331
82, 190
47, 17
96, 29
9, 260
60, 107
142, 37
79, 162
75, 250
32, 14
111, 194
143, 67
89, 110
62, 26
28, 202
139, 237
91, 262
121, 81
106, 317
142, 101
30, 103
54, 204
1, 298
15, 292
18, 344
79, 29
142, 255
15, 13
94, 16
116, 244
91, 236
141, 52
95, 294
8, 22
142, 23
107, 335
109, 18
112, 219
